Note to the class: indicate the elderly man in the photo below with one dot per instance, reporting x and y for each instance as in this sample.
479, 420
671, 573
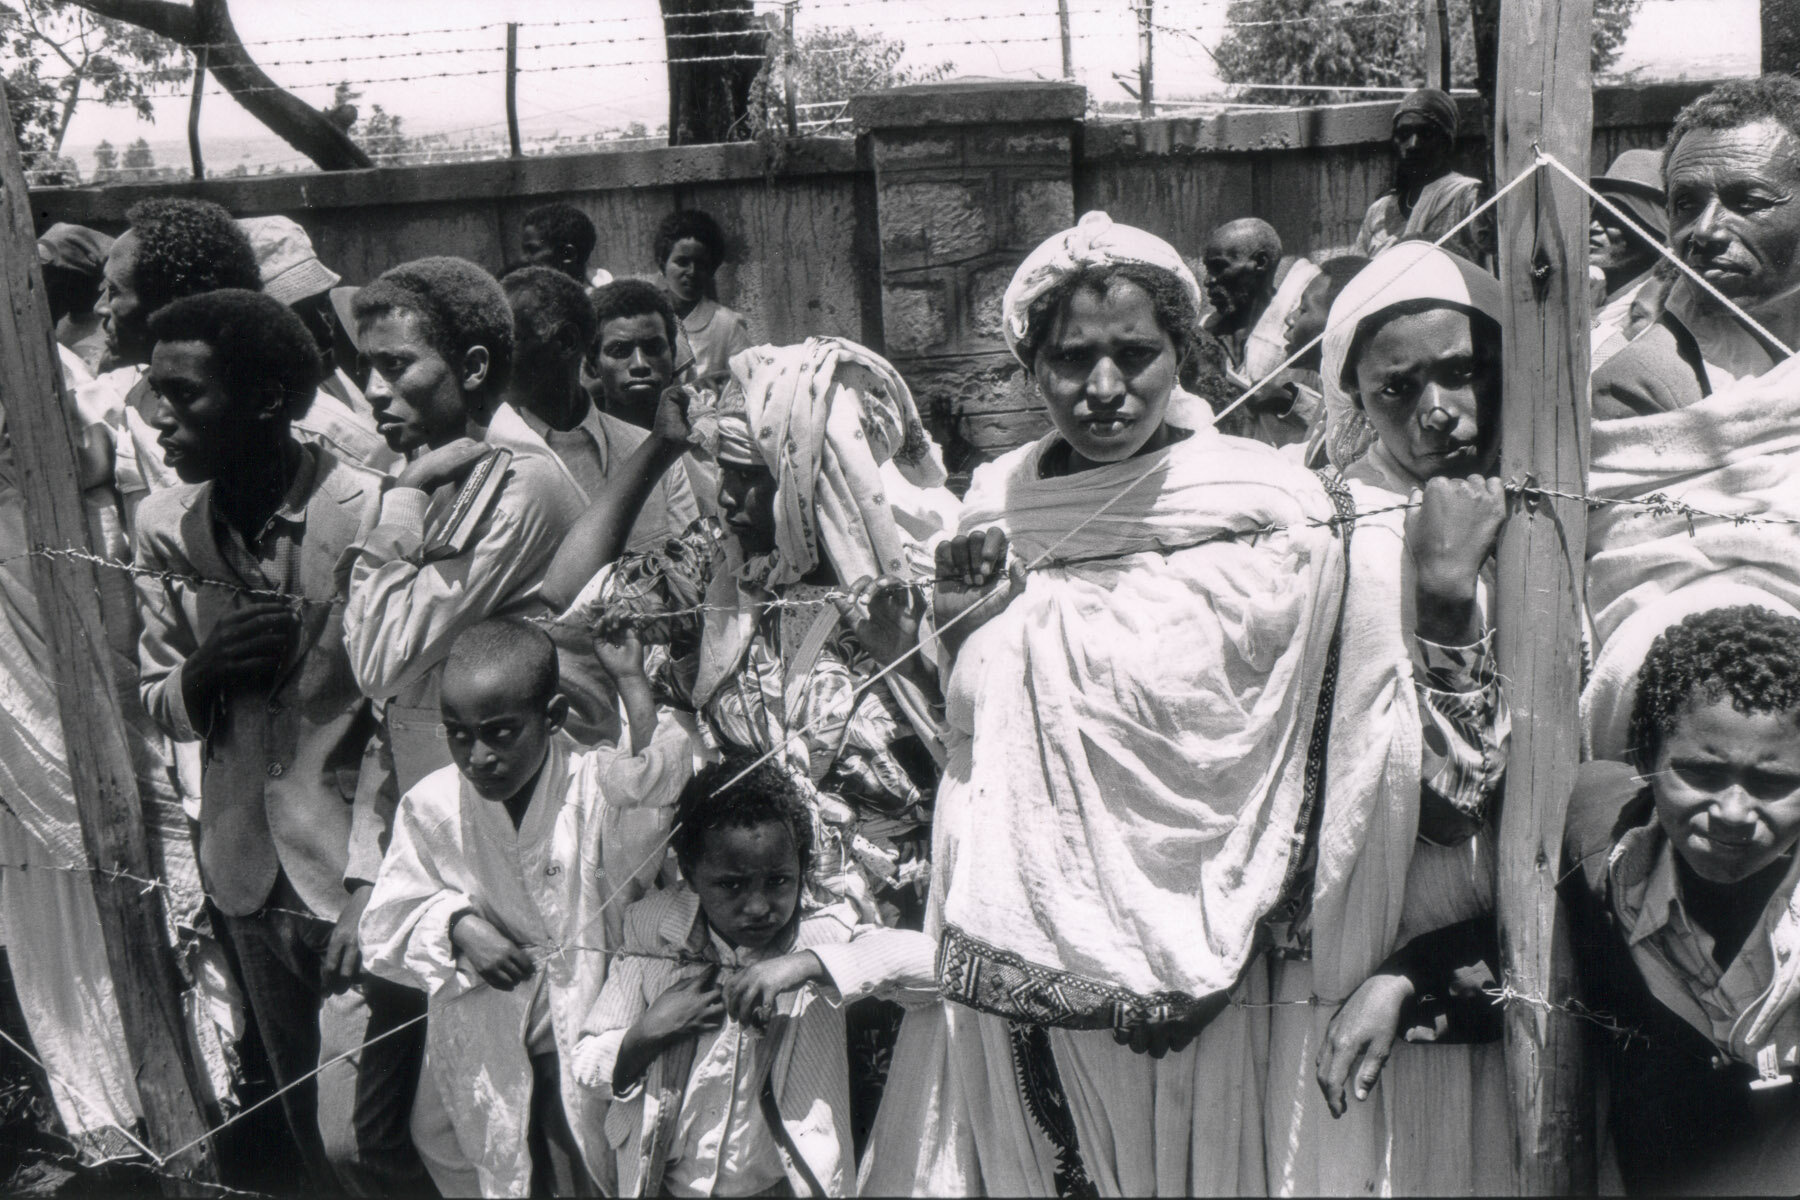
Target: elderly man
1251, 292
1624, 258
1732, 173
1428, 198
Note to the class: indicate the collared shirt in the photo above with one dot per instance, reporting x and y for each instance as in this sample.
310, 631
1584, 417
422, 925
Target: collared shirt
723, 1145
268, 560
715, 333
591, 451
1675, 955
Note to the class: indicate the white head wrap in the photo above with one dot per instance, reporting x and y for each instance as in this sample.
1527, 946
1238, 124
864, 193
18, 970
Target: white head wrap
1094, 242
1400, 274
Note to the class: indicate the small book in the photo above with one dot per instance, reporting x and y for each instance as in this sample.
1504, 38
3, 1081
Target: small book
454, 530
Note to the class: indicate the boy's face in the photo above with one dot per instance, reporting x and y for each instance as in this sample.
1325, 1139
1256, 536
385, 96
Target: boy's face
1307, 321
199, 428
418, 396
536, 249
1727, 789
497, 730
634, 364
748, 881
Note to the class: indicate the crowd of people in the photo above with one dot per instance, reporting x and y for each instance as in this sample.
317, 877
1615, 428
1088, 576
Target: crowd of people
606, 744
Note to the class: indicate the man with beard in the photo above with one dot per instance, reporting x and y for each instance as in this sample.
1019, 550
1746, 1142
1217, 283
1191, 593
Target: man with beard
1428, 198
1251, 292
1732, 174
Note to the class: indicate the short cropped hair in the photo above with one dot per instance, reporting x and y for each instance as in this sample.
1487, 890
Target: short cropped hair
1341, 270
565, 225
1174, 306
255, 340
1737, 103
686, 223
524, 649
552, 301
717, 799
1747, 653
632, 298
185, 247
461, 306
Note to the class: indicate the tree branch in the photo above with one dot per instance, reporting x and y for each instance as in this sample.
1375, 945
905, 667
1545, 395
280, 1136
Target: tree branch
177, 22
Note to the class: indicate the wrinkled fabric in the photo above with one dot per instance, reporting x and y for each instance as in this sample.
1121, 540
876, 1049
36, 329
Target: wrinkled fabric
1735, 452
1130, 734
1095, 241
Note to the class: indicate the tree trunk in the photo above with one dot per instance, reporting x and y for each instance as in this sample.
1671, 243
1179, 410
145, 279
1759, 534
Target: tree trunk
709, 99
208, 22
68, 114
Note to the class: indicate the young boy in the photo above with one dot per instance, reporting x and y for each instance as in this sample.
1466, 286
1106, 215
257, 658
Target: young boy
1680, 874
727, 1072
561, 237
438, 336
494, 897
243, 648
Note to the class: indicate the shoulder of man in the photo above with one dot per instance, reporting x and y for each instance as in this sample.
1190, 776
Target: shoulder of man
535, 483
1650, 375
349, 483
1608, 801
160, 515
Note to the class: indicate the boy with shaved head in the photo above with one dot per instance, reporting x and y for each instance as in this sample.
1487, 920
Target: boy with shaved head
1251, 292
503, 892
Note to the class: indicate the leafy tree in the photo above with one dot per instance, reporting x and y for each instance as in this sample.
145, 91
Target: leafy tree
139, 157
833, 63
1369, 43
382, 136
106, 157
714, 53
94, 58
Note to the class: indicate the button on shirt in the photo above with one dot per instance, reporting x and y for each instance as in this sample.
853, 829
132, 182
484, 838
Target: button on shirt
723, 1145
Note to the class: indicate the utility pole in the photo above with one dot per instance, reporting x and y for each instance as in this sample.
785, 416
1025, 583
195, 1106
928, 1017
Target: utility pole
144, 979
1437, 44
512, 87
1545, 98
1146, 58
1068, 47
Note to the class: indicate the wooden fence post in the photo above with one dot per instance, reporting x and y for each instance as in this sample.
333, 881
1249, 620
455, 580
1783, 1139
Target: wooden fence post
1544, 99
145, 981
512, 87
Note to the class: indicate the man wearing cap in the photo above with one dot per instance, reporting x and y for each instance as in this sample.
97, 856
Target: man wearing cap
73, 260
1732, 174
340, 417
1428, 198
1625, 258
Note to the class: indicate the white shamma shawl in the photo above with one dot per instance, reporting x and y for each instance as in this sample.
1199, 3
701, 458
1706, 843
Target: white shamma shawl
1131, 734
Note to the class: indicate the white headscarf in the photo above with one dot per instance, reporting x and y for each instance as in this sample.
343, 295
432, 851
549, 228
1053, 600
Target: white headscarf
1094, 242
1400, 274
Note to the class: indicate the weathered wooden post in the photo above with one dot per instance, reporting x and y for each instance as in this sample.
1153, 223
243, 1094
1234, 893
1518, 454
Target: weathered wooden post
145, 980
1544, 99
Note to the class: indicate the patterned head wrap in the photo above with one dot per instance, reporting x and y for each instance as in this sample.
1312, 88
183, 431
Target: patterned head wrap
1402, 273
1435, 106
1094, 242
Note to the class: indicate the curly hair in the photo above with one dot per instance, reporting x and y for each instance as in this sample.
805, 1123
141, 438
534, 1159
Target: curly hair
255, 340
1747, 652
1174, 306
185, 247
690, 223
564, 225
1737, 103
632, 298
551, 301
461, 306
717, 799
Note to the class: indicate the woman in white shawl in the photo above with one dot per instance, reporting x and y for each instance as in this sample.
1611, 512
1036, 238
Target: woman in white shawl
1129, 814
1412, 375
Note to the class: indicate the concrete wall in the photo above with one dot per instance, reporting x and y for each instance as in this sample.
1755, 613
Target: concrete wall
902, 238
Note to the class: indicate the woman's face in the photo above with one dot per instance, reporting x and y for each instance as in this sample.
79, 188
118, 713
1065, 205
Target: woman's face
1106, 369
747, 502
1431, 388
1727, 789
689, 268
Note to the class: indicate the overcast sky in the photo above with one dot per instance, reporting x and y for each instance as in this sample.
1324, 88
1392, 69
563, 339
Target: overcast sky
600, 64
